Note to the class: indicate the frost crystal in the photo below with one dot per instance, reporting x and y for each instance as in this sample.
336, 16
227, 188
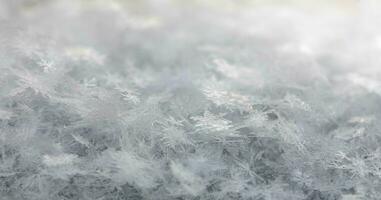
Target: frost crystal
190, 100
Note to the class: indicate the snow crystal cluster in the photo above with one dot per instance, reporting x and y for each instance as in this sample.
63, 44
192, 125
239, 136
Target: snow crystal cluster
189, 100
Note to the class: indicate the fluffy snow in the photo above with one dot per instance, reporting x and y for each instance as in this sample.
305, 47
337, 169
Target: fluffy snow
198, 100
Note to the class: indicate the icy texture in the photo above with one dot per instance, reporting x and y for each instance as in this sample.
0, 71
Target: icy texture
161, 100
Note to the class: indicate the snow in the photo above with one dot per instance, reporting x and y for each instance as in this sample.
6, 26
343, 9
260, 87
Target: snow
165, 100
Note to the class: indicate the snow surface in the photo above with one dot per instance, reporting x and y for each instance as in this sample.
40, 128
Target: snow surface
161, 100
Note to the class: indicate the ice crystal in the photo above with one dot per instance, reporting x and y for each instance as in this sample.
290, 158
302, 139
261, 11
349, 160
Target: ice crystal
198, 100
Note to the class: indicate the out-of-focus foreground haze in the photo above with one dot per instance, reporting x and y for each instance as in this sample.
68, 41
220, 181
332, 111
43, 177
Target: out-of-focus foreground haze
346, 30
